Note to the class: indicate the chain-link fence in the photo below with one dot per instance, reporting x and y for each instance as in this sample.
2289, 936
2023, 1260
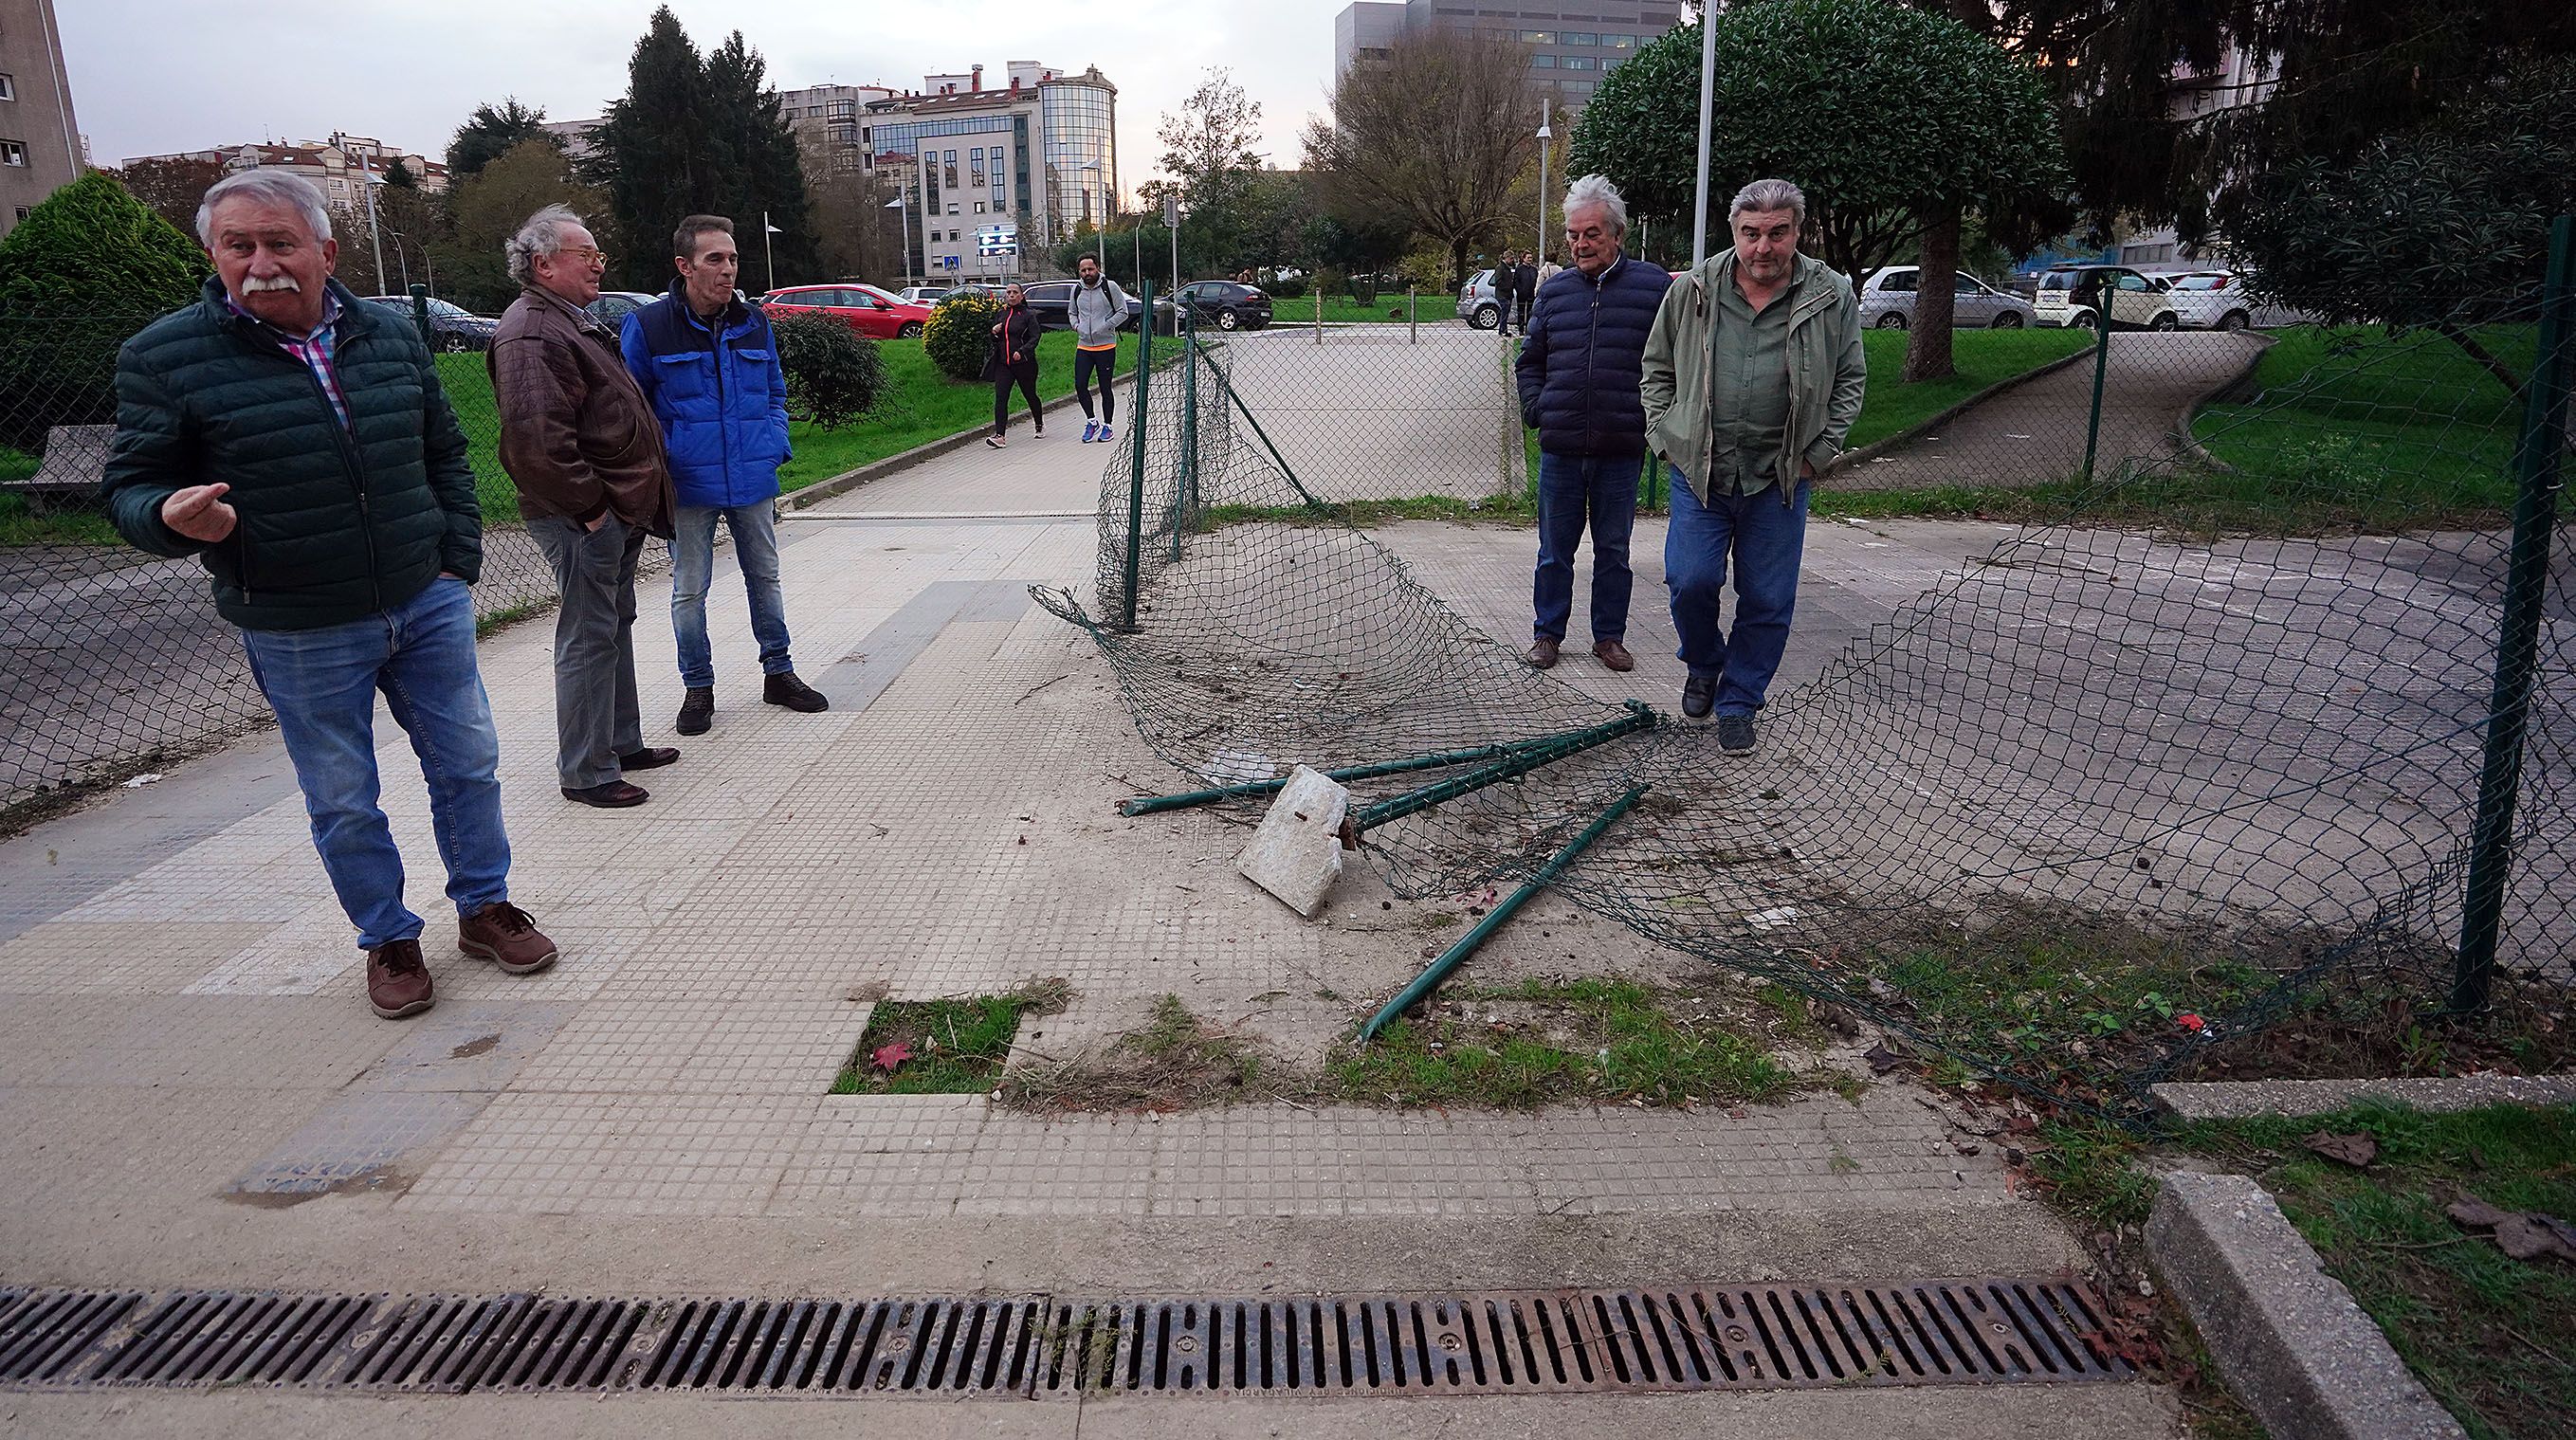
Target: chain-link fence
117, 661
2212, 753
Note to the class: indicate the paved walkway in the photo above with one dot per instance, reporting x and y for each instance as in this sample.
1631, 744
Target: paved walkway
198, 1096
2035, 433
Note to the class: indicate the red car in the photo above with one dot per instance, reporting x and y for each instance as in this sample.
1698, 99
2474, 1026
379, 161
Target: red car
863, 308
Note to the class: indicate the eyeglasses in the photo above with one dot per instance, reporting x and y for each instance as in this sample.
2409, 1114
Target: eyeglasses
583, 254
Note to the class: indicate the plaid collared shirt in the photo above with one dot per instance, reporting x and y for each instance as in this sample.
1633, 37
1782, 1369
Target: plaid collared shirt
319, 350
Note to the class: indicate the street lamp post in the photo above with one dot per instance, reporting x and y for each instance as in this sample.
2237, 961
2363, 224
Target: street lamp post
1707, 95
1544, 135
367, 180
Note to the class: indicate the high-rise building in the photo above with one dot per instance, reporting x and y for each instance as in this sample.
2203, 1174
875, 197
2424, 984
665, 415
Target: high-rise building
40, 145
988, 173
1571, 44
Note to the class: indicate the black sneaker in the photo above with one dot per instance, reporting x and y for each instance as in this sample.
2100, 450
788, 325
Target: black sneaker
786, 690
1735, 734
1699, 696
697, 711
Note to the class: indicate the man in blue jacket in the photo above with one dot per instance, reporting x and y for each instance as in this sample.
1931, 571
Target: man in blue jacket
709, 364
1578, 373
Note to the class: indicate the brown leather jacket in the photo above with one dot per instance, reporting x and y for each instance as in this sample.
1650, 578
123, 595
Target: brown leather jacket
577, 436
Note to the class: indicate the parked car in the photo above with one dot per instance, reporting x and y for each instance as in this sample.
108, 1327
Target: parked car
452, 327
1887, 301
863, 308
614, 306
2211, 300
921, 294
2080, 294
1476, 301
1052, 302
1227, 304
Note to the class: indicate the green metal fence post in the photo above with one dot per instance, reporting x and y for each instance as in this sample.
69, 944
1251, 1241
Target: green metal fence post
420, 314
2101, 369
1136, 426
1185, 491
2536, 481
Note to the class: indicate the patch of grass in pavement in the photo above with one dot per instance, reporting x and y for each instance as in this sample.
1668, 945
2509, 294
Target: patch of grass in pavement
1551, 1040
2493, 1338
1176, 1061
943, 1047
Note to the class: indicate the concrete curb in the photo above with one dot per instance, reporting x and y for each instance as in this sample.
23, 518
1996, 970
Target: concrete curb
2237, 386
1862, 456
2286, 1336
2242, 1099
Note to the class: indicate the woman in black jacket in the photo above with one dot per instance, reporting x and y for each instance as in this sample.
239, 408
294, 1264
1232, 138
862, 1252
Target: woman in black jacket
1014, 358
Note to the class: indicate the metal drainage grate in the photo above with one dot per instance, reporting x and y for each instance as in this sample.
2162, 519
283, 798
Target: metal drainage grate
1934, 1332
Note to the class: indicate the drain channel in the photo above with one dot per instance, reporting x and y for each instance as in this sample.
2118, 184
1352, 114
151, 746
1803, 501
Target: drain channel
1733, 1337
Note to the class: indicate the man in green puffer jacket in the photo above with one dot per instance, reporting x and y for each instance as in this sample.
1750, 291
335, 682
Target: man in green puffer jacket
296, 441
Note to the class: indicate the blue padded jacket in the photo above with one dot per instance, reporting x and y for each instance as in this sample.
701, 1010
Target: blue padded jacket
721, 400
1580, 366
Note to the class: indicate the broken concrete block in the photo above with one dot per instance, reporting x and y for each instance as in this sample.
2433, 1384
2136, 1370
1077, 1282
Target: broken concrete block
1296, 854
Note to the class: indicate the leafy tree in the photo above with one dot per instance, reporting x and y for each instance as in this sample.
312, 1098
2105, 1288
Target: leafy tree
1209, 160
492, 132
846, 208
759, 169
1895, 122
83, 271
491, 206
171, 188
834, 374
1434, 136
960, 333
398, 176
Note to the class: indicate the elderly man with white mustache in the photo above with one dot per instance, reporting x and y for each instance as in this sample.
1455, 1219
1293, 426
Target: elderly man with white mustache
298, 444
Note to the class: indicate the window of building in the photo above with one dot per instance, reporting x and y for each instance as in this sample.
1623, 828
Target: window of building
975, 167
1618, 42
1542, 62
24, 211
1577, 62
952, 235
979, 207
1538, 37
12, 153
952, 209
948, 162
8, 87
1578, 37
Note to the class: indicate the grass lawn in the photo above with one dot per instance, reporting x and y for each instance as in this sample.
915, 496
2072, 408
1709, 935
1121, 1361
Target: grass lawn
922, 405
1430, 307
943, 1047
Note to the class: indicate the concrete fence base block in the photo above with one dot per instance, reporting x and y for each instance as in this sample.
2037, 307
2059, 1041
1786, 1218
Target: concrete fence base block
1297, 853
2286, 1336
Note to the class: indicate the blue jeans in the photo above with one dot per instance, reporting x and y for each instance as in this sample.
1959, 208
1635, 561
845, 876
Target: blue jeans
323, 685
1571, 490
1764, 539
693, 562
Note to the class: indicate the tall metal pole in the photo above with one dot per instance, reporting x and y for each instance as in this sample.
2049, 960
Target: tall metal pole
2526, 589
1136, 427
2101, 371
1544, 135
768, 252
1187, 490
1707, 98
367, 178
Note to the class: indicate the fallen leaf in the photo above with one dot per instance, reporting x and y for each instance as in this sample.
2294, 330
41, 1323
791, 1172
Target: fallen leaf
2524, 1237
2356, 1150
1881, 1059
2470, 1210
887, 1057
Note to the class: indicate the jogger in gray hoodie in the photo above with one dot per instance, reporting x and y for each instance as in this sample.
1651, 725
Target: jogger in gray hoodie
1098, 310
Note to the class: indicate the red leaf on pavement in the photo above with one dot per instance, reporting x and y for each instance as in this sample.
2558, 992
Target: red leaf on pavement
887, 1057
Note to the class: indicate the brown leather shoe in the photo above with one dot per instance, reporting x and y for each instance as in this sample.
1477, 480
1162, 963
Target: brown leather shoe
651, 757
1614, 655
504, 934
398, 980
615, 795
1542, 654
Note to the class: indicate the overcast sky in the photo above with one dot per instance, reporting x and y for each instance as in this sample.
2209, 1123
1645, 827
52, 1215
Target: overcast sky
154, 76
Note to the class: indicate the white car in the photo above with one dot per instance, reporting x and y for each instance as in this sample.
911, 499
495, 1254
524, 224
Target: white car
1887, 302
2211, 300
921, 294
2077, 295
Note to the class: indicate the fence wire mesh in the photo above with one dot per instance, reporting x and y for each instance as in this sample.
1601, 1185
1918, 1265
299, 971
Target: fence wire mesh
2179, 771
117, 661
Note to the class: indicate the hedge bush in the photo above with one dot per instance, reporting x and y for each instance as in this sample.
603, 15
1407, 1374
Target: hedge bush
834, 374
84, 271
960, 334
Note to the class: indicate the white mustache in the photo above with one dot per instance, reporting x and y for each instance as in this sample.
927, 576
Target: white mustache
253, 285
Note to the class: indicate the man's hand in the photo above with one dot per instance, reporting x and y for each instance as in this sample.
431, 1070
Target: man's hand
1806, 469
199, 512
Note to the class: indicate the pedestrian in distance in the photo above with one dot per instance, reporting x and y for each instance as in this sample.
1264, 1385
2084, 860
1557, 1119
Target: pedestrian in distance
1098, 309
1578, 375
1753, 376
297, 443
708, 364
1013, 360
1507, 289
1525, 286
579, 441
1548, 267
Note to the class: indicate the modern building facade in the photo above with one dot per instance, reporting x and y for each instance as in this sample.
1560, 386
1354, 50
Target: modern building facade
988, 173
40, 145
1571, 44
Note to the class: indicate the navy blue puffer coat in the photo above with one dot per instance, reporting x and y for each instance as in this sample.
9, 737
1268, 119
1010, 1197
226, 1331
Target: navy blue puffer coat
1579, 368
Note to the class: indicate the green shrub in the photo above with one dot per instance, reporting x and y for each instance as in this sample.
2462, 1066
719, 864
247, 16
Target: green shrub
960, 335
834, 374
84, 270
1281, 289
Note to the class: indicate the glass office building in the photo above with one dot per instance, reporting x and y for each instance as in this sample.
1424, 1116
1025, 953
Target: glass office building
1039, 155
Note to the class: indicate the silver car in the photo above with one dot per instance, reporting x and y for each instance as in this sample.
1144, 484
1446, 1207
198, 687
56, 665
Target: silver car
1887, 301
1476, 302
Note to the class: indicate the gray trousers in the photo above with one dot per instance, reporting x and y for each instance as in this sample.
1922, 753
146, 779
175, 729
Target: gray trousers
597, 717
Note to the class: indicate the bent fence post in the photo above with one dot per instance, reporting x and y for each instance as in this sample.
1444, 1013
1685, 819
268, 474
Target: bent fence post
2536, 478
1139, 428
1252, 789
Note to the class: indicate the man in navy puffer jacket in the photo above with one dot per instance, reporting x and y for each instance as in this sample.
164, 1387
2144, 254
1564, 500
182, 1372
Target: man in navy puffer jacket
709, 364
1578, 374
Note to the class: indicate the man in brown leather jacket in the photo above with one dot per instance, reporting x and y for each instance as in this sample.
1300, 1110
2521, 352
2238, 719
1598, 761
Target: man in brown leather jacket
580, 443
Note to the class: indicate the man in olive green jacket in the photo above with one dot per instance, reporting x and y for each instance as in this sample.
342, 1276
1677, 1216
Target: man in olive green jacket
1753, 375
296, 441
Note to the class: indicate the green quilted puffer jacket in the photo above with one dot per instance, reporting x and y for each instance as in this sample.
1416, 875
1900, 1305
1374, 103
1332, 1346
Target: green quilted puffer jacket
337, 522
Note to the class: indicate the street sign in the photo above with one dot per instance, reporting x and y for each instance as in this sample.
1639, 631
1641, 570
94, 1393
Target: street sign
997, 240
1171, 209
949, 261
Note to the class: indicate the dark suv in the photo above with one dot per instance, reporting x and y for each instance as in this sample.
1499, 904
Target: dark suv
1052, 302
1229, 304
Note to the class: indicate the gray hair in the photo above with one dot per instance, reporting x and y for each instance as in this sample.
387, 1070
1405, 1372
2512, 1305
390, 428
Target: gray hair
1770, 195
1596, 191
273, 187
541, 235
